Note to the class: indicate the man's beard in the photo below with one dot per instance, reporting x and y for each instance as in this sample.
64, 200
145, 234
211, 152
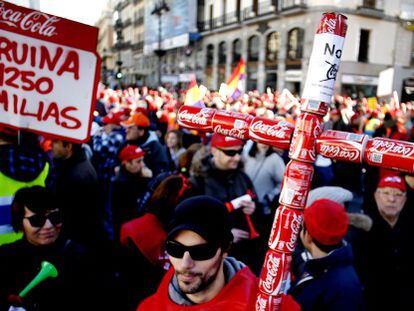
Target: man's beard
201, 282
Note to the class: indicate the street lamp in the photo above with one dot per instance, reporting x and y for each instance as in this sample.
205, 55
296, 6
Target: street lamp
160, 8
119, 25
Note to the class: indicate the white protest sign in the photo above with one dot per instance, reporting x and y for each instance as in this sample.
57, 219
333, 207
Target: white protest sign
49, 73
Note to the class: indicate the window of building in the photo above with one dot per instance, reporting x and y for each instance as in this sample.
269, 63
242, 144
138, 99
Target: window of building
236, 51
295, 44
363, 45
210, 55
272, 47
253, 49
369, 4
286, 4
222, 53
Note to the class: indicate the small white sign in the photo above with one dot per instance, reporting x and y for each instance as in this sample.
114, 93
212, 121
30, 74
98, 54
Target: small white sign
323, 67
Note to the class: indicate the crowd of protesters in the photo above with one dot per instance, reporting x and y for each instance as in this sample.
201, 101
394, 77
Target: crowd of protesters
151, 216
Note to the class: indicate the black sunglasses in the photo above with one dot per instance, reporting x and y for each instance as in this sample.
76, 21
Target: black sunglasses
39, 220
231, 153
197, 252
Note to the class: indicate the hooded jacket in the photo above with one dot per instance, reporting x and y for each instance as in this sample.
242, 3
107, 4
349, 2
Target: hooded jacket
239, 293
330, 283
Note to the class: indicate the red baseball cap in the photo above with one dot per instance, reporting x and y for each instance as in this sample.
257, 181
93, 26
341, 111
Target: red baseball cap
113, 118
131, 152
326, 221
393, 182
221, 141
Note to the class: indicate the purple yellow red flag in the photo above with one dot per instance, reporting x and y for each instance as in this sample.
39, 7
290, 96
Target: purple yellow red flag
193, 96
235, 83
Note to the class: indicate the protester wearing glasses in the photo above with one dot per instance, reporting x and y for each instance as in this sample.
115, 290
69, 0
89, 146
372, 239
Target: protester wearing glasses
217, 172
385, 255
128, 186
138, 133
144, 261
202, 276
35, 212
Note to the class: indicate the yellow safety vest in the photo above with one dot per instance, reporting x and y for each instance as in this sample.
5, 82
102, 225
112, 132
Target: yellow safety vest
8, 187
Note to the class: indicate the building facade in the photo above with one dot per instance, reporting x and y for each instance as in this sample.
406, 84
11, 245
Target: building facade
275, 38
106, 41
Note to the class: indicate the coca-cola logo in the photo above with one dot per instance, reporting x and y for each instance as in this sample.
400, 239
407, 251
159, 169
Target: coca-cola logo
272, 267
198, 118
275, 130
261, 304
383, 146
237, 133
331, 151
294, 227
329, 24
35, 22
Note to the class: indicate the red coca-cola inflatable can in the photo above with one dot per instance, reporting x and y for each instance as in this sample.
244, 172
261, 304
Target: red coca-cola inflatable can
274, 272
389, 153
341, 146
196, 118
333, 23
308, 128
285, 230
271, 132
232, 124
267, 302
314, 106
296, 184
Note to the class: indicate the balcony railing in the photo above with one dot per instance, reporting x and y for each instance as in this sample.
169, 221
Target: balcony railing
267, 7
139, 21
264, 8
127, 22
138, 46
292, 4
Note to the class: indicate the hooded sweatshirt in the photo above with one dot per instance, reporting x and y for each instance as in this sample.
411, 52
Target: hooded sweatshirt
239, 292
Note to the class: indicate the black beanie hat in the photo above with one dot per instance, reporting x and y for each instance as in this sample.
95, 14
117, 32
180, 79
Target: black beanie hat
204, 215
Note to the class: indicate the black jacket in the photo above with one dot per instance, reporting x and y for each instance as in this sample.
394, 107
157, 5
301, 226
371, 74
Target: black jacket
126, 191
384, 259
76, 185
330, 284
72, 289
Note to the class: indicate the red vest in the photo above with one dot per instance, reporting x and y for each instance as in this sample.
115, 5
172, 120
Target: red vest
148, 235
237, 295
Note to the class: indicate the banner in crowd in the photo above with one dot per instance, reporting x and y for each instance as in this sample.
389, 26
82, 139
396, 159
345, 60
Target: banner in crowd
49, 73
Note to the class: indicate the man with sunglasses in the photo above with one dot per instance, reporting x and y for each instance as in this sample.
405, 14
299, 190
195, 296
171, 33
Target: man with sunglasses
218, 172
35, 212
384, 255
202, 276
138, 133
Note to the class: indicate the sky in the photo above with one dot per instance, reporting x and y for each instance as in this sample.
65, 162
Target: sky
84, 11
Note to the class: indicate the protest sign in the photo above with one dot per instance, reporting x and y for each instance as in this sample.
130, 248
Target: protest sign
49, 73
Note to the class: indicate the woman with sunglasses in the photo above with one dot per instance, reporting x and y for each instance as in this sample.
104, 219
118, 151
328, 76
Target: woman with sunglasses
35, 212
